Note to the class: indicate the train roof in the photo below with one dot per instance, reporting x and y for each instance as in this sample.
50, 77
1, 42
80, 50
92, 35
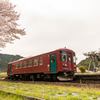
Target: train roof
41, 54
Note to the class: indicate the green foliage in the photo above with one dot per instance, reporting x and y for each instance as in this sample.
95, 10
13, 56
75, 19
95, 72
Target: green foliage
88, 62
82, 69
5, 59
84, 62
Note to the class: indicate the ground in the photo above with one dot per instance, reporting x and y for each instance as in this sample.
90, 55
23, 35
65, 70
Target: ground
50, 90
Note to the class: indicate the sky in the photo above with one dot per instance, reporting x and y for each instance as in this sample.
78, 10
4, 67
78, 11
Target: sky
53, 24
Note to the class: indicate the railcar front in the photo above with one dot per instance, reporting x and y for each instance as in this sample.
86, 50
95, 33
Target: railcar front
66, 64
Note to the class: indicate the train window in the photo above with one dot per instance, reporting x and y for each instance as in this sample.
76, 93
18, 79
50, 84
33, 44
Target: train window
53, 59
17, 65
69, 59
74, 59
41, 61
27, 63
63, 56
20, 65
24, 64
35, 62
30, 62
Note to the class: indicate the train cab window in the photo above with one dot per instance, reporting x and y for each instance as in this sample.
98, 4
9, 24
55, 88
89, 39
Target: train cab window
35, 62
63, 56
74, 59
69, 59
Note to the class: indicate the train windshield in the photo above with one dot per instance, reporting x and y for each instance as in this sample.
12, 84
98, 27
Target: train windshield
63, 56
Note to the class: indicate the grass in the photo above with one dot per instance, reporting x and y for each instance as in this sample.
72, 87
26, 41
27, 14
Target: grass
47, 91
50, 92
5, 96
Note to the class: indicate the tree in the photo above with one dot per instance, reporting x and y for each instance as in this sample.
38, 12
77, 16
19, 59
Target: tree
9, 29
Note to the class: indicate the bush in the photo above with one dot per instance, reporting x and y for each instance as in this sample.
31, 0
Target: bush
82, 69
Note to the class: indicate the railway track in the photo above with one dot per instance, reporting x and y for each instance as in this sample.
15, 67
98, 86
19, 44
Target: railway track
93, 84
91, 80
76, 83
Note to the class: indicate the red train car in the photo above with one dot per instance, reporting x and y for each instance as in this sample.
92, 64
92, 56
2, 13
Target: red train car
60, 62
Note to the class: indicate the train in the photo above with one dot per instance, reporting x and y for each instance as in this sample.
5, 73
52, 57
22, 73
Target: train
52, 65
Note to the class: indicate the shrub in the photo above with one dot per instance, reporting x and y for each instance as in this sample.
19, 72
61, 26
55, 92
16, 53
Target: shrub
82, 69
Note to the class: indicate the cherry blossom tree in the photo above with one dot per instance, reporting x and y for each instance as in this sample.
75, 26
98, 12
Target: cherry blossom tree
9, 28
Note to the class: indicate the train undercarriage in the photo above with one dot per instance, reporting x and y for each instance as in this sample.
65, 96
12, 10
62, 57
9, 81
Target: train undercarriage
62, 76
69, 77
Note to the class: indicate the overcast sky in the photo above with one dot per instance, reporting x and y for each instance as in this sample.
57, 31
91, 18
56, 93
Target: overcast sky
53, 24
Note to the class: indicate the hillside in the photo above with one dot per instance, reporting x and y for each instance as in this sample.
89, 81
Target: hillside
5, 59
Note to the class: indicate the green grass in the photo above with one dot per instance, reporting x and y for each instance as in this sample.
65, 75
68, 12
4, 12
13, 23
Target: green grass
50, 92
5, 96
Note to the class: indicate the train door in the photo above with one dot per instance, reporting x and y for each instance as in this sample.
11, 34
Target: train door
53, 63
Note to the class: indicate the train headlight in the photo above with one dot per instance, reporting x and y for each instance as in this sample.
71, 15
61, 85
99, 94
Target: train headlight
48, 65
64, 65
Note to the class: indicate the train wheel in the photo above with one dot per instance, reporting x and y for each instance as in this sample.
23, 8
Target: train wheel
23, 77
